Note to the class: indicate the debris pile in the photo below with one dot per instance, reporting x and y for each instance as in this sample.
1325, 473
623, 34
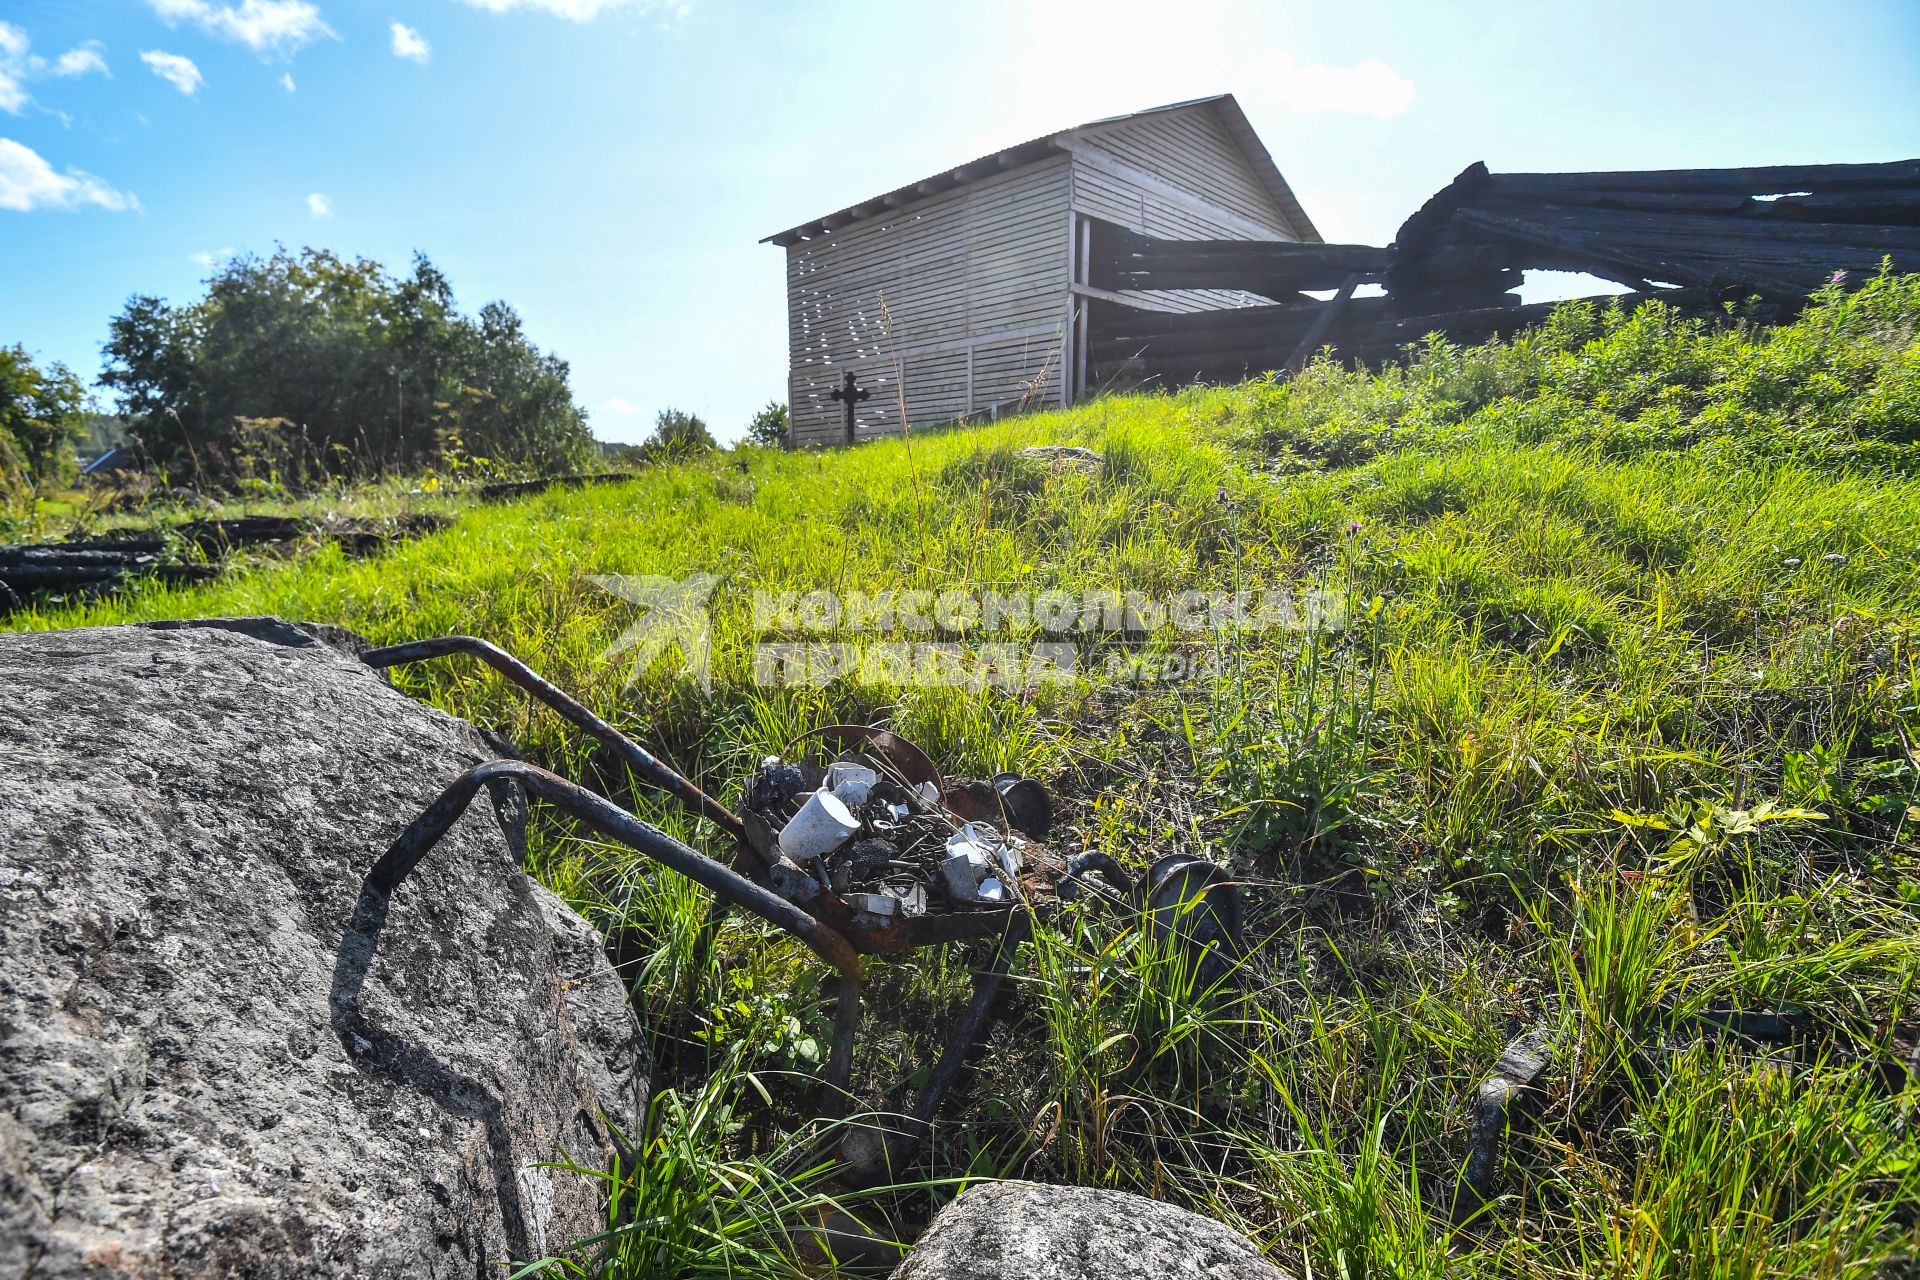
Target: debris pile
875, 842
853, 843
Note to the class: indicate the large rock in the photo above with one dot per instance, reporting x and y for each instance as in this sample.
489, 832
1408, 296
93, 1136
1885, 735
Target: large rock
1025, 1231
203, 1069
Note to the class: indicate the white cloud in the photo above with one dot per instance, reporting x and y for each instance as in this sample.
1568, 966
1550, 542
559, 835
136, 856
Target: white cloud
84, 60
1200, 47
175, 70
18, 65
28, 182
286, 81
620, 407
1367, 88
574, 10
408, 43
278, 26
211, 258
319, 206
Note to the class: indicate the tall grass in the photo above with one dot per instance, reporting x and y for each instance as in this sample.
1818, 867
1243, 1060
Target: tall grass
1620, 731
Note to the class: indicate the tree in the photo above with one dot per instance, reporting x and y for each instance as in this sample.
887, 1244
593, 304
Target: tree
677, 433
42, 413
769, 426
308, 366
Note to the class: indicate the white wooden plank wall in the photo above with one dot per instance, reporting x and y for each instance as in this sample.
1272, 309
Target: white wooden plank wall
977, 269
1189, 150
1192, 150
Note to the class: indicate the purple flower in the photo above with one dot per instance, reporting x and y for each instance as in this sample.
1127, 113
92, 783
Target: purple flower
1839, 277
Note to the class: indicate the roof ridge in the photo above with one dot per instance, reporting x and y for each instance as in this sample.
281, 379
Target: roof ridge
1034, 149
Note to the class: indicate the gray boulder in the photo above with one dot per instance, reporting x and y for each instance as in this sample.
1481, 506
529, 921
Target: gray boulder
221, 1052
1025, 1231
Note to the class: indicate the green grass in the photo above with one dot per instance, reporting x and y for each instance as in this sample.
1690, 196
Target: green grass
1621, 728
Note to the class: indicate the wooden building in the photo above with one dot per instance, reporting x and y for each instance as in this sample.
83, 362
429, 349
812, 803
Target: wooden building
964, 295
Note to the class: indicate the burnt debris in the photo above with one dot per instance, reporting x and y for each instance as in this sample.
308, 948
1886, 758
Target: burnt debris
1696, 239
851, 840
189, 552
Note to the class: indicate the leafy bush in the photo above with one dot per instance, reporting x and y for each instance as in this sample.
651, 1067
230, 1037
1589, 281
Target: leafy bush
42, 413
300, 368
770, 425
677, 434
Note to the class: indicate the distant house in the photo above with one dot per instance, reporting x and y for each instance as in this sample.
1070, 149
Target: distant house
963, 296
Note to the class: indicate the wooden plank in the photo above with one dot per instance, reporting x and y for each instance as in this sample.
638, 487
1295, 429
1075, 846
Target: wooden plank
1123, 259
1764, 180
1707, 229
976, 260
1192, 150
1133, 300
1279, 331
1891, 206
1776, 258
1650, 201
1112, 239
1098, 195
1091, 157
1592, 259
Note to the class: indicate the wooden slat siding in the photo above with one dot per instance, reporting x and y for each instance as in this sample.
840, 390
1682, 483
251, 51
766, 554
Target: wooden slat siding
1192, 150
1022, 374
927, 253
1101, 195
955, 270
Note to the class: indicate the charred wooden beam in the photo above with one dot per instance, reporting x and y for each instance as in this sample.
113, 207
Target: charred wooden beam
1729, 235
1595, 258
1891, 206
1896, 206
1765, 180
1123, 259
1416, 231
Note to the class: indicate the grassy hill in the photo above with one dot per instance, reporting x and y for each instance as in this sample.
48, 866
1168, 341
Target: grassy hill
1608, 721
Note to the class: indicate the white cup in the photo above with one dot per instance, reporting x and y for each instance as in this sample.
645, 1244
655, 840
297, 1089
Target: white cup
850, 782
823, 824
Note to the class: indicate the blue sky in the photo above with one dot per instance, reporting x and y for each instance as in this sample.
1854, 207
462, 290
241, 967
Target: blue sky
609, 167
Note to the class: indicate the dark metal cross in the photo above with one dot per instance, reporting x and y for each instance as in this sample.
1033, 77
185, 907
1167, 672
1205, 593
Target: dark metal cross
850, 394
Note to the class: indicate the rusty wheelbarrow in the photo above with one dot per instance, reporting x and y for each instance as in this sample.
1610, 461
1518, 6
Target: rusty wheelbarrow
884, 894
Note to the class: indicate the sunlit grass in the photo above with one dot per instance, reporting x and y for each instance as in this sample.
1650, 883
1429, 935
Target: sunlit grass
1620, 730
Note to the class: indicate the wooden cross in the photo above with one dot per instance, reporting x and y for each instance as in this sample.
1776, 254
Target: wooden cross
850, 394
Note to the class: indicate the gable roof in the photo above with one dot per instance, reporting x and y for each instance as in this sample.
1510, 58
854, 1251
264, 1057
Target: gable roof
1037, 149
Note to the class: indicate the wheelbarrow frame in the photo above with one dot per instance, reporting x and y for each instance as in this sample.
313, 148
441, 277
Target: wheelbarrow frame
892, 1149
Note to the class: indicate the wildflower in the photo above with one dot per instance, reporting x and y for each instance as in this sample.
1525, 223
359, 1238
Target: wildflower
1353, 526
1220, 494
1839, 277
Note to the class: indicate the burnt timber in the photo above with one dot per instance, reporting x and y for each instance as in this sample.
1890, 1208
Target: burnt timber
190, 552
1696, 239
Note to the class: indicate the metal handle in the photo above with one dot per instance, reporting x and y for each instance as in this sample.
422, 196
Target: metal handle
616, 823
636, 757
